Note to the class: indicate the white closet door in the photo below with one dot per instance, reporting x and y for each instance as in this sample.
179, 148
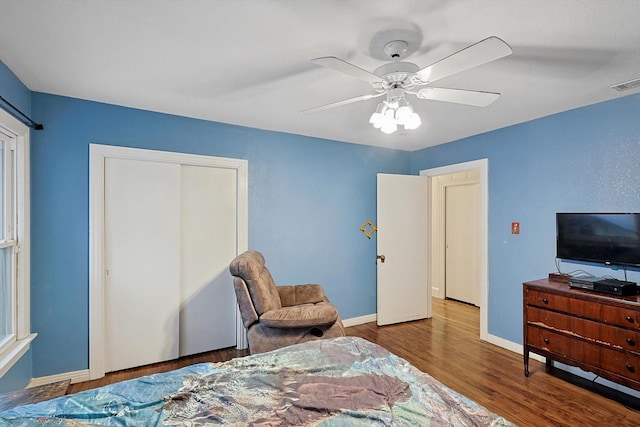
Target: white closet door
208, 244
142, 260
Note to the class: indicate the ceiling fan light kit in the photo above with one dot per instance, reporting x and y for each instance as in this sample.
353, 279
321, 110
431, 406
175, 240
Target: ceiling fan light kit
389, 115
397, 79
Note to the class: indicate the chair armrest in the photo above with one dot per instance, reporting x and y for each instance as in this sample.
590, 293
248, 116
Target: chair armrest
300, 294
300, 316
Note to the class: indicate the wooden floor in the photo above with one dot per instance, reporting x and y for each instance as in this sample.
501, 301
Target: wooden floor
127, 374
448, 347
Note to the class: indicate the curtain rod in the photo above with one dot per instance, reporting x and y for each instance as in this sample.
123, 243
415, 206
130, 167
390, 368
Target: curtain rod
28, 122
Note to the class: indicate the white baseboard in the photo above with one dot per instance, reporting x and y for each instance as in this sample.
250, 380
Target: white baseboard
508, 345
75, 377
359, 320
511, 346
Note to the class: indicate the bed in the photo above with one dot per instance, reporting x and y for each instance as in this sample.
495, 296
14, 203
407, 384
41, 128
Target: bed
333, 382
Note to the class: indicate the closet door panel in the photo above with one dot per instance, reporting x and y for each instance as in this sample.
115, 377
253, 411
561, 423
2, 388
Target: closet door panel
142, 254
208, 244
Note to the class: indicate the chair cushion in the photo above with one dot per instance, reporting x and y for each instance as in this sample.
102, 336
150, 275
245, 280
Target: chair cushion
300, 316
300, 294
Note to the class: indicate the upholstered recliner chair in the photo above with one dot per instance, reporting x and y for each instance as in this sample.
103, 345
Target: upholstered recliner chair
278, 316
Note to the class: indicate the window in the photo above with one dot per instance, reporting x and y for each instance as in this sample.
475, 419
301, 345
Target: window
15, 335
7, 243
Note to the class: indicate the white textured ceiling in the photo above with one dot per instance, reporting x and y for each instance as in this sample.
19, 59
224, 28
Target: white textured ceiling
246, 62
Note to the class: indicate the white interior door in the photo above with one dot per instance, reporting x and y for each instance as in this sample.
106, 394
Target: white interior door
208, 244
403, 292
461, 247
142, 248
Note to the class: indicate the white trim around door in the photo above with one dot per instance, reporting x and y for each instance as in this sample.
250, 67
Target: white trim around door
98, 154
483, 211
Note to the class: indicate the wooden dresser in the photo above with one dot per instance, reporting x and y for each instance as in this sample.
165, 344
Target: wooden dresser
597, 332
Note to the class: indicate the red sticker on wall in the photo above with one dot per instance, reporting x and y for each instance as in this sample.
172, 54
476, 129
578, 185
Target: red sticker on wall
515, 228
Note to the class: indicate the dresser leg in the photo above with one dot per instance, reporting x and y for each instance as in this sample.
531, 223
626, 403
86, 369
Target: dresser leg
526, 363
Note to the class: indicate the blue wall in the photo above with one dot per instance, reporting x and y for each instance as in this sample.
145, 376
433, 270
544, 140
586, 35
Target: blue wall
314, 194
12, 89
307, 200
586, 159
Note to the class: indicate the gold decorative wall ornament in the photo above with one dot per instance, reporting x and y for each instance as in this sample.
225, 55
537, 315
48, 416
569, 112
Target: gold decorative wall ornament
368, 229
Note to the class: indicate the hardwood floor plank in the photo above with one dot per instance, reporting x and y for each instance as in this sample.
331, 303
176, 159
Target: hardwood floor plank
127, 374
448, 347
33, 394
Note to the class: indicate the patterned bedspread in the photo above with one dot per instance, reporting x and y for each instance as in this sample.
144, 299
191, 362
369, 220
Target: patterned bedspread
338, 382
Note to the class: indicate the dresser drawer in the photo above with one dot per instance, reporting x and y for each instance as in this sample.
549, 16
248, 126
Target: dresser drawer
621, 316
598, 333
565, 304
548, 340
594, 310
562, 345
623, 364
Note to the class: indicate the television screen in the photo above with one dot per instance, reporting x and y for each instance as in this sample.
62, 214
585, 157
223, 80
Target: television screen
608, 238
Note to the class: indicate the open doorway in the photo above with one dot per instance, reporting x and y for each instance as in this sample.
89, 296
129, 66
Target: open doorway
436, 226
461, 194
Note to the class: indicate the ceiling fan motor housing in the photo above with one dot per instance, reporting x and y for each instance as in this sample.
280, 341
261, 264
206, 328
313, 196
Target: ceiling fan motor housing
394, 71
395, 74
394, 95
397, 71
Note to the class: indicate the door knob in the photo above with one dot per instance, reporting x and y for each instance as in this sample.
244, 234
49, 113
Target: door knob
381, 258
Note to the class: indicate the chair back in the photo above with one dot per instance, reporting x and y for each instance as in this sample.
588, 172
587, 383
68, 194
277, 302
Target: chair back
249, 266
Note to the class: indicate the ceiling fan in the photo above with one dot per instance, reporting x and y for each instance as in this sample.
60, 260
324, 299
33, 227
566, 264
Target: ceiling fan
399, 78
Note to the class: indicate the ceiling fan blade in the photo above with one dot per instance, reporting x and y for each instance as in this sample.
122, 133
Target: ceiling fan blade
346, 68
343, 102
480, 53
458, 96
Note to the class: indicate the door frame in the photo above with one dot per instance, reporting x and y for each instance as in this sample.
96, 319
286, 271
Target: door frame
97, 155
482, 165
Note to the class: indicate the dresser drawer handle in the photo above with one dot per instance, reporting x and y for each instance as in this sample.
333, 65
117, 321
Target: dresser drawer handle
631, 368
629, 319
631, 341
546, 301
546, 340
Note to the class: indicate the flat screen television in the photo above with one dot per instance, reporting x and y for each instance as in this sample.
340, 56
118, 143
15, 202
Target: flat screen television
606, 238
